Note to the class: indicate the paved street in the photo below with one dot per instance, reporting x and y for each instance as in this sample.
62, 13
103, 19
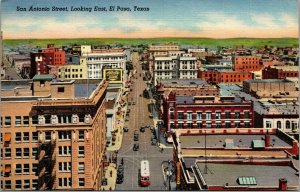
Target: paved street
139, 116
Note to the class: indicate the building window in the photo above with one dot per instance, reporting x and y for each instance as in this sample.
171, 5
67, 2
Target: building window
81, 118
25, 120
218, 115
278, 124
34, 151
237, 124
81, 150
180, 125
227, 125
18, 121
7, 121
171, 115
7, 152
208, 125
81, 135
18, 136
199, 116
180, 115
246, 124
65, 182
64, 135
47, 136
189, 116
246, 114
189, 125
34, 136
34, 184
18, 168
268, 124
8, 184
81, 167
64, 151
26, 169
199, 125
287, 125
34, 168
60, 89
81, 182
35, 120
18, 184
18, 152
208, 115
26, 152
237, 115
47, 119
218, 125
227, 114
25, 136
64, 167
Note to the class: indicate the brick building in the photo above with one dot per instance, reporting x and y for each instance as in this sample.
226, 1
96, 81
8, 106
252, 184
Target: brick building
184, 112
277, 88
246, 63
49, 56
55, 140
280, 72
224, 76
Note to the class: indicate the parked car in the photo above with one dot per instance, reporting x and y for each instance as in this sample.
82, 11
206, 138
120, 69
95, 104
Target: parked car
142, 129
136, 147
153, 141
136, 135
125, 129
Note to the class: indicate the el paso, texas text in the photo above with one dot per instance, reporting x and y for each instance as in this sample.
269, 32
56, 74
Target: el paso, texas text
82, 8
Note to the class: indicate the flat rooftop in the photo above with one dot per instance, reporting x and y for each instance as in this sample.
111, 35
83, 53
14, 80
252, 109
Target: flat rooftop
190, 99
218, 141
268, 81
182, 82
219, 174
286, 68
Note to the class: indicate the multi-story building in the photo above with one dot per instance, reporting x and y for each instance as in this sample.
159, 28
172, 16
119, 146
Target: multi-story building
175, 67
187, 67
280, 72
73, 71
277, 88
41, 59
55, 139
99, 59
246, 63
206, 112
224, 76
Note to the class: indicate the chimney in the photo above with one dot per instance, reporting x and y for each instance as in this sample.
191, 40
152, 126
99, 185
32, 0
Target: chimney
282, 184
267, 140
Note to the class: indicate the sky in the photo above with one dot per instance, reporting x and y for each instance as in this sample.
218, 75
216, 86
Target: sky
165, 18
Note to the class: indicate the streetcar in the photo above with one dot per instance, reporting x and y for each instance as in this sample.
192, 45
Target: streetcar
145, 173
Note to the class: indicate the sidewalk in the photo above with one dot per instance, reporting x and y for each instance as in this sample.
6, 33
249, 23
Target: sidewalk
120, 122
111, 176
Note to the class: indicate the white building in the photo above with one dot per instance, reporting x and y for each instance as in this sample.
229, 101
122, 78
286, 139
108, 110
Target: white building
175, 67
99, 59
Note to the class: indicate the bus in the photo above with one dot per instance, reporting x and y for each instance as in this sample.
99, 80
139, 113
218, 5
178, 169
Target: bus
144, 173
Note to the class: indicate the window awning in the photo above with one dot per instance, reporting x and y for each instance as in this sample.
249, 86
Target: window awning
7, 168
7, 137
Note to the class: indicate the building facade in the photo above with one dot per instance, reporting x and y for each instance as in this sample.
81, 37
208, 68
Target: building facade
49, 56
280, 72
54, 141
246, 63
224, 76
187, 112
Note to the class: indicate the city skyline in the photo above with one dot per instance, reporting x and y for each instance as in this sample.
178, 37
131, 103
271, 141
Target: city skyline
208, 19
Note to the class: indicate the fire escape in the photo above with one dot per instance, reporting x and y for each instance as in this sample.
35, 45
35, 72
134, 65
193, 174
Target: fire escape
47, 160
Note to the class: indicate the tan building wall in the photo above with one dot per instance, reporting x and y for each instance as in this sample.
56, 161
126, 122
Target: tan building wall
70, 71
64, 138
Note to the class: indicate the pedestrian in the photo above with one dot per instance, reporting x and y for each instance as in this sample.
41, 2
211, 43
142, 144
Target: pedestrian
122, 161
